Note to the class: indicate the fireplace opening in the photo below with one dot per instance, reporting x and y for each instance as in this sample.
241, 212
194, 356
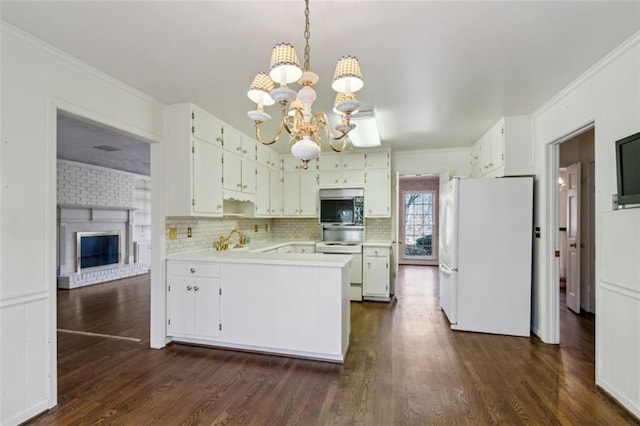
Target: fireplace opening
95, 249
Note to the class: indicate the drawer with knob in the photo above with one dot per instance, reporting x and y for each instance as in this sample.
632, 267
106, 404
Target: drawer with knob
193, 269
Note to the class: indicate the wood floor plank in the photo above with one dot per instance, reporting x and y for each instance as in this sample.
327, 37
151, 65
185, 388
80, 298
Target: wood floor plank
405, 366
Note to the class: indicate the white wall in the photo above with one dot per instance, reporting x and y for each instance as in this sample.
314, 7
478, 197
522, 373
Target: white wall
36, 80
432, 161
609, 95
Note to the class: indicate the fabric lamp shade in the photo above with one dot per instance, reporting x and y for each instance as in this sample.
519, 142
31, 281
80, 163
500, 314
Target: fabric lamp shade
285, 66
347, 77
260, 88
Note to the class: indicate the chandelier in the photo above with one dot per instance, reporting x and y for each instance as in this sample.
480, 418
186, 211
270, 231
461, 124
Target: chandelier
306, 129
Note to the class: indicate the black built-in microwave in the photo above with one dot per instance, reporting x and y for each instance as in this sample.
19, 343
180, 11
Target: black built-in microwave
344, 206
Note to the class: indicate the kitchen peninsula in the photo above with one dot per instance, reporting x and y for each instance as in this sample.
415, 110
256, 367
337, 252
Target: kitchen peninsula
261, 300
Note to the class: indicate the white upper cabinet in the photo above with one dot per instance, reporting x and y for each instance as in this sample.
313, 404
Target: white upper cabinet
194, 178
268, 157
377, 160
232, 140
505, 149
377, 193
329, 162
292, 164
353, 160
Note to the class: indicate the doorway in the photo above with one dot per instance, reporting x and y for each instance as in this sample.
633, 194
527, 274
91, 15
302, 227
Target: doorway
103, 177
418, 219
576, 217
576, 235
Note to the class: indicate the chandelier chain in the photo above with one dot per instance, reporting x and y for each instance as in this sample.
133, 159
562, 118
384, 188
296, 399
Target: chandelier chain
307, 35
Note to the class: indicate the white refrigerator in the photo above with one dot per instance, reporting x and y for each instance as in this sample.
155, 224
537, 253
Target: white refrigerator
485, 242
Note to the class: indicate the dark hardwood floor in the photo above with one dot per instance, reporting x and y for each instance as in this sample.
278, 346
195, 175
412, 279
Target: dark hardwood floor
405, 366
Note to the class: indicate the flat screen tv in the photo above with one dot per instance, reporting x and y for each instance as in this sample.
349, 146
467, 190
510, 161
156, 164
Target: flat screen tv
628, 169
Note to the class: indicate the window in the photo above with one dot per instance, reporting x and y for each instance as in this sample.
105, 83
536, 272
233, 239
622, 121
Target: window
418, 225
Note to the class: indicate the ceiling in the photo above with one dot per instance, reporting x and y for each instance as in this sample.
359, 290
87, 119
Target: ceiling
89, 142
438, 74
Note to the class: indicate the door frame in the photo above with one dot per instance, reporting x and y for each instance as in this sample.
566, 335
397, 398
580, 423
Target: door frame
552, 160
157, 226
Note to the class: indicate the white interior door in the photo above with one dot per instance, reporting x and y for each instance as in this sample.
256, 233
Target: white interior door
397, 247
573, 237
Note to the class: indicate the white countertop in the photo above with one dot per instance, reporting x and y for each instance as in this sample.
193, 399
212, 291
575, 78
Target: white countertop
257, 257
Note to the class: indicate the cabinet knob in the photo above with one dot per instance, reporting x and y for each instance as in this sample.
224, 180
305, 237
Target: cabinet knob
238, 148
195, 288
335, 165
192, 270
189, 288
244, 151
244, 186
239, 185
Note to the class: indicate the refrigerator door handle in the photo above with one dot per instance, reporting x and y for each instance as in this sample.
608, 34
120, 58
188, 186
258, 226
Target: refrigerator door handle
446, 269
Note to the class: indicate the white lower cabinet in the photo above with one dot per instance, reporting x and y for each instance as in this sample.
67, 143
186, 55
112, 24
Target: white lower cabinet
304, 248
193, 293
375, 273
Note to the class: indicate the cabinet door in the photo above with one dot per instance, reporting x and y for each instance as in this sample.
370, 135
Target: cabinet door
375, 276
206, 127
275, 160
207, 178
232, 170
232, 140
206, 307
248, 176
291, 194
180, 303
304, 248
353, 161
329, 178
308, 194
484, 150
292, 164
377, 160
497, 146
377, 194
263, 154
353, 178
275, 192
249, 148
329, 162
263, 183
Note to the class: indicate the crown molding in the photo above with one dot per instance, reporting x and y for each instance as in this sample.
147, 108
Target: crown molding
602, 63
76, 63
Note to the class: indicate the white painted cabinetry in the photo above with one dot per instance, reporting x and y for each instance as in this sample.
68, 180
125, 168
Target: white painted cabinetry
300, 194
376, 276
377, 193
194, 162
341, 170
304, 247
193, 293
239, 166
506, 149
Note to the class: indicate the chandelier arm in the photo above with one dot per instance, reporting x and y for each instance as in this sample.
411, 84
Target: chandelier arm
322, 117
285, 117
259, 136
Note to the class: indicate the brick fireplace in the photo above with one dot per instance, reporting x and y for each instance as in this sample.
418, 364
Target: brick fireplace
116, 224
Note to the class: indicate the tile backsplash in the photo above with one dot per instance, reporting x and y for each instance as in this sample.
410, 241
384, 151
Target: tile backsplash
206, 230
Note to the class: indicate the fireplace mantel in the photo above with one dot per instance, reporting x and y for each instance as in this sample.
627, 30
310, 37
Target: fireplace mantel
77, 218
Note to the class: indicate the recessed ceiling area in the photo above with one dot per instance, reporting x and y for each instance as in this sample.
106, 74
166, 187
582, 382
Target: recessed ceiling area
437, 73
89, 142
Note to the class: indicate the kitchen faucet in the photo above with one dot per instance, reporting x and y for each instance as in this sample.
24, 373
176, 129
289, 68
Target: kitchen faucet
223, 242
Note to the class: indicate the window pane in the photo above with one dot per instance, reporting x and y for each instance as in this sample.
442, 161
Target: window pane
418, 224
